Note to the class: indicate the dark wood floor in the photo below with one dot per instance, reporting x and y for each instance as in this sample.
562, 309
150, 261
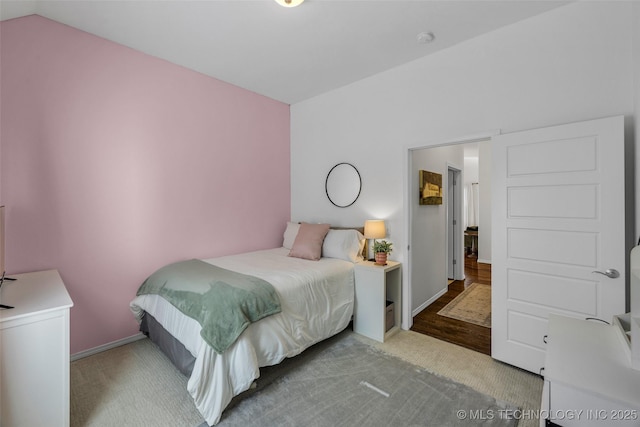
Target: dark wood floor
468, 335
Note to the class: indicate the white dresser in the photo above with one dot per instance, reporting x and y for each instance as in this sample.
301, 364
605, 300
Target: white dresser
34, 351
588, 376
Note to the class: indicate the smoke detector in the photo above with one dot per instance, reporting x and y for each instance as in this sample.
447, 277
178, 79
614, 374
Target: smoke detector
425, 38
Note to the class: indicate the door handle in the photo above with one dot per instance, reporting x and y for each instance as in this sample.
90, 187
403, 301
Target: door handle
611, 273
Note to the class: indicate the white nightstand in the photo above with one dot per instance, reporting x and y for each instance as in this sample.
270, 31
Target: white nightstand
375, 285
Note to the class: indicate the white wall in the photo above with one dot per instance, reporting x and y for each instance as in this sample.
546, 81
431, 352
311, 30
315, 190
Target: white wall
471, 170
484, 226
570, 64
429, 225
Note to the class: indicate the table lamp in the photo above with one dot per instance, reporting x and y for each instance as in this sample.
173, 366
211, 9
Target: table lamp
373, 229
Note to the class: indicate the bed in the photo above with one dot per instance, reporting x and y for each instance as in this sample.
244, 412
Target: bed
316, 295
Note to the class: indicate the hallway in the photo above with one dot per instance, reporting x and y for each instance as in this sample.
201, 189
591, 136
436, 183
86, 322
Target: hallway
468, 335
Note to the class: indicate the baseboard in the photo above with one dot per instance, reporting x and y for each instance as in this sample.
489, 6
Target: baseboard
484, 261
428, 302
107, 346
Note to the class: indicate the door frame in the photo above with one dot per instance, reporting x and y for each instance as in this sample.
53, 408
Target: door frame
407, 312
455, 201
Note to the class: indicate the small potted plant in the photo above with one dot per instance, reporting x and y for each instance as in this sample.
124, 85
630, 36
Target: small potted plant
381, 248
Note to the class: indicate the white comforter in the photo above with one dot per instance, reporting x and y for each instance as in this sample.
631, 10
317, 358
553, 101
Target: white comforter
317, 302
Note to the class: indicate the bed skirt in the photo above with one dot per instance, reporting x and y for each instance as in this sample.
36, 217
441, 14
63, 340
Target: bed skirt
171, 347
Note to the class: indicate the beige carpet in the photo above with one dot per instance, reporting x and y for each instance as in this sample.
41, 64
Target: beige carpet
473, 305
131, 385
135, 385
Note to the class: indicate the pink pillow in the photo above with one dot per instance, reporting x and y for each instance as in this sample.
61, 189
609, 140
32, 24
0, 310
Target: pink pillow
308, 243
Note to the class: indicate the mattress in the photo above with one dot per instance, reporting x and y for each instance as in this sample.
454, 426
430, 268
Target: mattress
317, 299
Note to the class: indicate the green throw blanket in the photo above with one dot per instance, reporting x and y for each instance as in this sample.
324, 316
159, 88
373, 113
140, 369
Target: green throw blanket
223, 302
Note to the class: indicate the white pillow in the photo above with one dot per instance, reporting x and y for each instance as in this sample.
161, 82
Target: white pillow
290, 234
343, 244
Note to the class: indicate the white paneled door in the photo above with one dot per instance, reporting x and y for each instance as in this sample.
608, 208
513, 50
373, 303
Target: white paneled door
558, 219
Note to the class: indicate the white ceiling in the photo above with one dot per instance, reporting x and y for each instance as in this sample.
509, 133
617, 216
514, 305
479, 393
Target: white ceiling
288, 54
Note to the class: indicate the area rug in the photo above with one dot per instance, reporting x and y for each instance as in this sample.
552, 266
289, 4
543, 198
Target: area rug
473, 305
345, 382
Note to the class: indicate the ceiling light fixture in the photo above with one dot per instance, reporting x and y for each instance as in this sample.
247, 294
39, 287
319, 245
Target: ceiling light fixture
289, 3
425, 38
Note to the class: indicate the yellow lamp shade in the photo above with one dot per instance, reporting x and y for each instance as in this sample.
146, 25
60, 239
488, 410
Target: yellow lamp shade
374, 229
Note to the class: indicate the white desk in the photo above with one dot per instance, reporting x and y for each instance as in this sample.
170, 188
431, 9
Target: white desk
587, 369
34, 351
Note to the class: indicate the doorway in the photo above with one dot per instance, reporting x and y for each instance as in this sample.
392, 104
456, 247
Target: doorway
435, 281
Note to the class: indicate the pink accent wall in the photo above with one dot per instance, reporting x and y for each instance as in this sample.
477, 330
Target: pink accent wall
114, 163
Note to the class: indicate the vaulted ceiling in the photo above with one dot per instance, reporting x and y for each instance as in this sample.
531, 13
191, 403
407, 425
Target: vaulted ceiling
288, 54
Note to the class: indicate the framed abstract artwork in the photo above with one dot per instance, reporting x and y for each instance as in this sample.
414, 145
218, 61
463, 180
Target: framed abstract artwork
430, 188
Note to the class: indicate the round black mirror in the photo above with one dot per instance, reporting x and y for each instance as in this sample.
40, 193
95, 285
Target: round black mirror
343, 185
